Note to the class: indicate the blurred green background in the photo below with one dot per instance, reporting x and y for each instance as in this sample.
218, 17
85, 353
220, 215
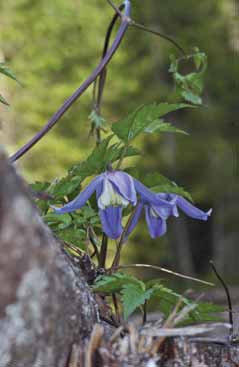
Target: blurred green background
53, 46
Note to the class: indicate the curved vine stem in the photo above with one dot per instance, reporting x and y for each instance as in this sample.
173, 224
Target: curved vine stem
69, 102
159, 34
100, 81
99, 72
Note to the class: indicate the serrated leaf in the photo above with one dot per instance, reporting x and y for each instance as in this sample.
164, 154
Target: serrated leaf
115, 283
3, 100
101, 157
190, 86
64, 186
204, 312
166, 186
73, 236
160, 126
168, 294
60, 221
140, 119
87, 215
40, 186
161, 184
7, 71
133, 296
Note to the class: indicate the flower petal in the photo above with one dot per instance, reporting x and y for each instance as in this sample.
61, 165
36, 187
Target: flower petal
191, 210
111, 221
135, 219
81, 199
150, 197
124, 184
157, 226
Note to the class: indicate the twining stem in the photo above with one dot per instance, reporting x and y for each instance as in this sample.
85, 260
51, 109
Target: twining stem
100, 81
159, 34
103, 251
147, 29
69, 102
159, 268
116, 260
229, 301
117, 10
99, 71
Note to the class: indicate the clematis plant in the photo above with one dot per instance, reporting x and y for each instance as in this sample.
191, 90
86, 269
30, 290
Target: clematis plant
157, 215
115, 190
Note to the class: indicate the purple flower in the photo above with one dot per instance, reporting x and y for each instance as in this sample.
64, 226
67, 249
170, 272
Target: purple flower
115, 190
157, 215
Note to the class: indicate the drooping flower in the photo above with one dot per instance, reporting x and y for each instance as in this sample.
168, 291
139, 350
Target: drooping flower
157, 215
115, 190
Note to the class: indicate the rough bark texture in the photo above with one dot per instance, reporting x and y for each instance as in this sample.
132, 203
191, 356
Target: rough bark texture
46, 306
48, 316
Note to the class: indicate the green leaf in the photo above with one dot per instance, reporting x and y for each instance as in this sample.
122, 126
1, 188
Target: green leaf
87, 215
190, 86
100, 158
133, 296
3, 100
163, 127
168, 294
73, 236
7, 71
191, 97
97, 120
64, 187
115, 283
60, 221
40, 186
205, 311
142, 118
159, 183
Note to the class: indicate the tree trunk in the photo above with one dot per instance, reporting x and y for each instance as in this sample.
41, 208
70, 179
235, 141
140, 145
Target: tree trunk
46, 306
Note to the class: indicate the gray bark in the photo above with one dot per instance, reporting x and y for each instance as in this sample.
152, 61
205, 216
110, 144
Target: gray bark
46, 306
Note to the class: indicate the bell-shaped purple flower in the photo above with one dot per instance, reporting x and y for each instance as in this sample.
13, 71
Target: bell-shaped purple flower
114, 191
156, 215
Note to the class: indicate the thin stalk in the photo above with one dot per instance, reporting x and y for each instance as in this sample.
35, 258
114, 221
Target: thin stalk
229, 301
93, 241
157, 33
145, 312
116, 260
100, 81
159, 268
69, 102
117, 10
116, 307
102, 77
103, 251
